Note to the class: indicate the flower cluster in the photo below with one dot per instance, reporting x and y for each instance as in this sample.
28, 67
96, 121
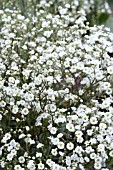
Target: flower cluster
56, 89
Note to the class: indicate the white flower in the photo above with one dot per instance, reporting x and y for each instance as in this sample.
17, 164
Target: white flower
60, 145
31, 165
78, 133
52, 107
37, 81
73, 69
106, 103
38, 154
110, 69
25, 86
106, 85
68, 160
109, 91
111, 153
41, 166
93, 120
1, 83
54, 152
9, 157
98, 159
89, 149
70, 127
14, 152
15, 109
32, 44
102, 126
97, 166
53, 130
2, 103
25, 111
49, 162
87, 159
85, 118
89, 132
17, 167
80, 139
0, 117
39, 145
70, 146
101, 147
78, 149
29, 97
21, 136
55, 167
99, 76
60, 135
21, 159
11, 79
92, 155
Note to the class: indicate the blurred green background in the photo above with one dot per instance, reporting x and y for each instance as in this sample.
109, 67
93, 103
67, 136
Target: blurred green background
109, 22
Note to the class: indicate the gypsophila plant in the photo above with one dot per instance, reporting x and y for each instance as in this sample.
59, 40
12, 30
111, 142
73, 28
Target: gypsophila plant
56, 89
97, 11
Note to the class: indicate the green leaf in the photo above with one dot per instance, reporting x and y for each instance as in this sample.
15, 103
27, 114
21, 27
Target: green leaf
103, 17
43, 138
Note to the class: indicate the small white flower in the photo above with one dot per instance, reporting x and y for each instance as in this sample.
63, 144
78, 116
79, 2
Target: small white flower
61, 145
53, 130
25, 111
78, 149
55, 167
15, 109
9, 157
31, 165
93, 120
17, 167
0, 117
13, 152
70, 127
39, 145
105, 103
99, 76
21, 159
21, 136
1, 83
111, 153
11, 80
49, 162
92, 155
109, 91
97, 166
2, 103
59, 135
101, 147
37, 81
25, 86
41, 166
78, 133
87, 159
98, 159
102, 126
68, 160
89, 132
54, 152
110, 69
38, 154
55, 141
80, 139
52, 107
70, 146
